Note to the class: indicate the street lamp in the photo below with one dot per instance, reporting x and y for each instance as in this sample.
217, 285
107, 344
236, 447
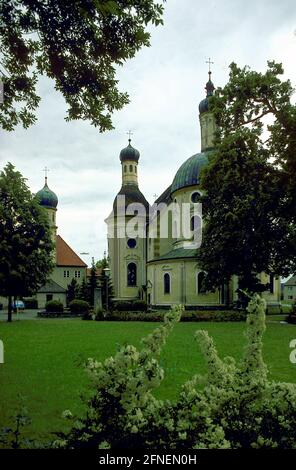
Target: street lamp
107, 275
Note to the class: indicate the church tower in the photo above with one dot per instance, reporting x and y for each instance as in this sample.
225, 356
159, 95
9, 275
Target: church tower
49, 200
127, 240
207, 122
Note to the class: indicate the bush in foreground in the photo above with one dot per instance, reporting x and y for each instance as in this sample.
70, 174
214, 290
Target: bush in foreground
79, 307
233, 406
54, 306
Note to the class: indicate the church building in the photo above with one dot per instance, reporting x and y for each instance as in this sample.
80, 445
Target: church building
163, 270
68, 265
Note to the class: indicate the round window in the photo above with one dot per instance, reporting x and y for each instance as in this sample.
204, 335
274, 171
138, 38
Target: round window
195, 197
132, 242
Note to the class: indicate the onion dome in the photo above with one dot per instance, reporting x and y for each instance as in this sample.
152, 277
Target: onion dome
46, 197
204, 104
189, 172
129, 153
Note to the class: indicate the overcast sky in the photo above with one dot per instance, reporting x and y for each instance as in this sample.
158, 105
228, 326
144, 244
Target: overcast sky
165, 83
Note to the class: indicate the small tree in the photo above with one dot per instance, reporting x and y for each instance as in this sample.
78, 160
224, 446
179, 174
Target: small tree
72, 291
25, 239
92, 283
84, 291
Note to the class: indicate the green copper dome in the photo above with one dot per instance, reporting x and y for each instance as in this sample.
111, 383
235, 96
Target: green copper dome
129, 153
47, 198
204, 104
189, 173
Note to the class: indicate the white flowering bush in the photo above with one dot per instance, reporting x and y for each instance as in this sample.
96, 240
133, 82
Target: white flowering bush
233, 406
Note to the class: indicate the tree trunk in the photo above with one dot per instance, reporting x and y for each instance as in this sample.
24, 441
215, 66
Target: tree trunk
9, 318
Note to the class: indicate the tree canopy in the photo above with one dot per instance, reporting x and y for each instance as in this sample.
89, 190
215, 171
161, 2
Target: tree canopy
25, 238
249, 201
78, 44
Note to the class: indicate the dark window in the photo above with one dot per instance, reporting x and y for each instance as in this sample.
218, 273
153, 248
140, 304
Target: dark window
135, 169
131, 274
200, 283
132, 243
125, 168
167, 283
131, 168
195, 224
49, 297
195, 197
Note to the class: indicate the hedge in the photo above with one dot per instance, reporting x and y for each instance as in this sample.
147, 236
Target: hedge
187, 316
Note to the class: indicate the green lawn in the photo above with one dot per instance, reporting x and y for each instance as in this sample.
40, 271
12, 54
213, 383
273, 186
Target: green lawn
43, 360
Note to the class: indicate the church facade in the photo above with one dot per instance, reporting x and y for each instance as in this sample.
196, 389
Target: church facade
157, 262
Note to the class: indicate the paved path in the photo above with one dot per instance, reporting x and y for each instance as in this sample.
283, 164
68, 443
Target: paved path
25, 315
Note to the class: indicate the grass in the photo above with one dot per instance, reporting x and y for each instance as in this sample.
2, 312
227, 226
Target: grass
43, 360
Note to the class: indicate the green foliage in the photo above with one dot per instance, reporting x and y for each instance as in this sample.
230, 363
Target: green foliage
79, 45
233, 406
92, 283
130, 306
73, 291
12, 436
83, 291
54, 306
79, 307
25, 238
187, 316
249, 200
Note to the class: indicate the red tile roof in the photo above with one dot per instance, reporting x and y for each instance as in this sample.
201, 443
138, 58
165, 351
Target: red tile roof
66, 256
98, 272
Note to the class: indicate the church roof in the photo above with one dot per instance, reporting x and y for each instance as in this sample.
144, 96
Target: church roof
132, 194
129, 153
177, 254
204, 104
46, 197
165, 196
51, 287
66, 256
189, 172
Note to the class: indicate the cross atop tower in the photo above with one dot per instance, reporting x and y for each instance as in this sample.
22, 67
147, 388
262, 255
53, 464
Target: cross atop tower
46, 171
129, 133
210, 63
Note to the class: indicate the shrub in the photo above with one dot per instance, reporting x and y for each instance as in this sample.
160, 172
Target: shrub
234, 406
158, 316
79, 307
130, 306
100, 314
54, 306
31, 303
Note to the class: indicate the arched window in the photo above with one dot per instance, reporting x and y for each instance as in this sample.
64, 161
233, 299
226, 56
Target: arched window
195, 224
135, 169
167, 283
125, 168
131, 168
200, 282
131, 274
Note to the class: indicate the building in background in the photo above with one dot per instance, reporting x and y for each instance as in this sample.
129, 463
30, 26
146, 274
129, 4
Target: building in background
68, 265
290, 289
